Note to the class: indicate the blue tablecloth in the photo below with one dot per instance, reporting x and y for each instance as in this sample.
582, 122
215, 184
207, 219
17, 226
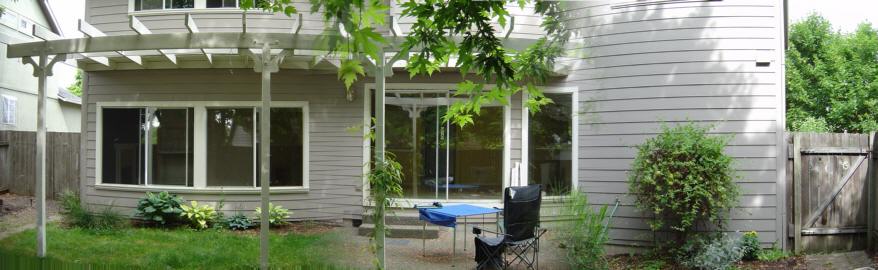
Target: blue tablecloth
447, 215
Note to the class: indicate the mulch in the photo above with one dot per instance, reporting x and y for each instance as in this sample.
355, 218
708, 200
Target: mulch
631, 262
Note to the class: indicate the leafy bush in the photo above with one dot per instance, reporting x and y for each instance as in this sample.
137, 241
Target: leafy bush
276, 214
772, 254
713, 254
238, 222
683, 177
750, 241
585, 235
76, 215
199, 215
161, 208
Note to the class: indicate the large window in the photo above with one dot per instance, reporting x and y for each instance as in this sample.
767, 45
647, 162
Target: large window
162, 4
156, 146
147, 146
222, 3
550, 145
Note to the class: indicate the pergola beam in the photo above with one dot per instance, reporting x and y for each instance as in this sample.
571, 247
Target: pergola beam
91, 31
193, 28
45, 34
142, 30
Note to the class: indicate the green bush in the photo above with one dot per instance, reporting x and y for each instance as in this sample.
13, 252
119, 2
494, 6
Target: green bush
76, 215
160, 208
238, 222
276, 214
717, 253
683, 177
750, 240
585, 235
199, 216
772, 254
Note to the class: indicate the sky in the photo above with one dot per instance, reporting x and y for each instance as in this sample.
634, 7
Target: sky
844, 15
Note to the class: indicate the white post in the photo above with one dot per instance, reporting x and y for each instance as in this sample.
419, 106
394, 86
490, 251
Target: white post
42, 69
379, 147
266, 65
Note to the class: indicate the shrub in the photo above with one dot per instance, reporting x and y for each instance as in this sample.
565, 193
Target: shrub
750, 241
772, 254
585, 235
239, 222
683, 177
713, 254
276, 214
161, 208
199, 215
76, 215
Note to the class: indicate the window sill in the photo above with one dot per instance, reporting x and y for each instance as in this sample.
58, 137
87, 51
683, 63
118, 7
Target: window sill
190, 190
157, 12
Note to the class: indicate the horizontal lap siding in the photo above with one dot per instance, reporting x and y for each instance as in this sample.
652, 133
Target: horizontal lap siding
644, 67
335, 154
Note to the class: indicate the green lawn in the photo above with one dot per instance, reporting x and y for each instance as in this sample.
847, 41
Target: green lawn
163, 249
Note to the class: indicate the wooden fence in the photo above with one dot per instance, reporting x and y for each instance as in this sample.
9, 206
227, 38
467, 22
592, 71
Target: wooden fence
830, 181
18, 167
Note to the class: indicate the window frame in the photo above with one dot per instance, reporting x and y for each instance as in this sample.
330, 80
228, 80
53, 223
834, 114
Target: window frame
200, 147
525, 134
199, 5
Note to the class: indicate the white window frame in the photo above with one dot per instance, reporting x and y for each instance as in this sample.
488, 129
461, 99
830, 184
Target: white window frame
410, 202
199, 7
525, 126
199, 174
5, 112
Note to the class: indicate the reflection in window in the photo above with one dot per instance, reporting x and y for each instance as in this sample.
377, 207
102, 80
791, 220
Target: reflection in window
147, 4
169, 4
170, 146
550, 145
230, 151
121, 152
286, 147
222, 3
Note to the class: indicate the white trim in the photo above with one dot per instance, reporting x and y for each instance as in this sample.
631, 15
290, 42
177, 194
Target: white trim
507, 142
574, 151
200, 138
781, 226
190, 190
367, 142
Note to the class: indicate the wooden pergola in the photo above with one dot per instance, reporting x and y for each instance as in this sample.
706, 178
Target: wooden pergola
266, 53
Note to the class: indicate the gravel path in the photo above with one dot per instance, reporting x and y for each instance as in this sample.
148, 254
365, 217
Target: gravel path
18, 213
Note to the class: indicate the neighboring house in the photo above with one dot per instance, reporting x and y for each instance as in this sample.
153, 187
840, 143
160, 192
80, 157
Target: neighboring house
183, 120
18, 87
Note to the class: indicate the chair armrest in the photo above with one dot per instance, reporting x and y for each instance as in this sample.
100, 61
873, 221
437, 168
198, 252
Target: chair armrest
478, 230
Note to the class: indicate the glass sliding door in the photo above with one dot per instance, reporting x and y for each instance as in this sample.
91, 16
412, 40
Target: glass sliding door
440, 160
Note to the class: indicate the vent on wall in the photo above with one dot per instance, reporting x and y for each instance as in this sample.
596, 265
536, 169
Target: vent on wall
658, 2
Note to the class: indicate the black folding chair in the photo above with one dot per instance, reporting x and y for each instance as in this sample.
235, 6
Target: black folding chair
519, 240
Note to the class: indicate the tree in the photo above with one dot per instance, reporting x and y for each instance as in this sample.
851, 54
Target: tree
76, 86
832, 78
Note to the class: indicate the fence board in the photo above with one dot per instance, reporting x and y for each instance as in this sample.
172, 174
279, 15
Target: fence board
18, 168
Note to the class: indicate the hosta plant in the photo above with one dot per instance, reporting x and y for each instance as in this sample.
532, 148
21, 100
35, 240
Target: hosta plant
276, 214
239, 222
160, 208
199, 215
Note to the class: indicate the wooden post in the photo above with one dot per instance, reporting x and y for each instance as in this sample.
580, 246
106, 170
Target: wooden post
797, 192
42, 69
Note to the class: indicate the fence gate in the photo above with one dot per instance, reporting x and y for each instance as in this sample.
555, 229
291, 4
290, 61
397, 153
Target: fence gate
831, 198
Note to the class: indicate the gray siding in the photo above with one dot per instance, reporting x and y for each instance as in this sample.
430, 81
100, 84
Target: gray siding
647, 65
336, 162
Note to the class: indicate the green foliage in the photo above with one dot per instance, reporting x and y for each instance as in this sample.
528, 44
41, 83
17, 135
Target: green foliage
585, 235
76, 215
76, 86
199, 215
160, 208
385, 183
750, 242
277, 214
654, 265
682, 177
832, 78
713, 254
772, 254
239, 222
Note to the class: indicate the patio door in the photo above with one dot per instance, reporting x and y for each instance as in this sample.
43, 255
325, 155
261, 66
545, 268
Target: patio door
443, 161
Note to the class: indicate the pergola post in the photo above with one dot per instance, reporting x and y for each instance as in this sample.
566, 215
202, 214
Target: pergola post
266, 64
42, 69
379, 149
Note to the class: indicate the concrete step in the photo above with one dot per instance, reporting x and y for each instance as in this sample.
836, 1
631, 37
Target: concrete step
403, 231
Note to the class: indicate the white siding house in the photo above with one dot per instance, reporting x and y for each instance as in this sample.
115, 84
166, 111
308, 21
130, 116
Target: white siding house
641, 64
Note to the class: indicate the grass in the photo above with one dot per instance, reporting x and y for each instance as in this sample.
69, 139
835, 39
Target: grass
162, 249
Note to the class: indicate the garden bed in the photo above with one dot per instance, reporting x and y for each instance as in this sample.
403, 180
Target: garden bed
632, 262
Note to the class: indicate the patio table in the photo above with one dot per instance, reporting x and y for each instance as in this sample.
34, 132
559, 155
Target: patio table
447, 216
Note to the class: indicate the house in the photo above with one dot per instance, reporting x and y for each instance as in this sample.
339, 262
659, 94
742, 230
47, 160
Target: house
18, 93
171, 103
